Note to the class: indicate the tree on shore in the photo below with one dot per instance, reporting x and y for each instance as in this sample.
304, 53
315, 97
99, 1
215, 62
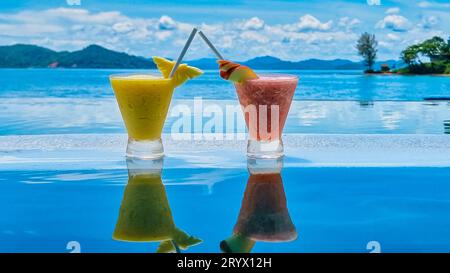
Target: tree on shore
411, 55
435, 48
446, 53
367, 48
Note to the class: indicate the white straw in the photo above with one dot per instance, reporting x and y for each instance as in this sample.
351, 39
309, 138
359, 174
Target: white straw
185, 48
210, 45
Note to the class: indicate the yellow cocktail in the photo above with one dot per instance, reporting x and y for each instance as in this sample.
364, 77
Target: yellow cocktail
145, 214
144, 101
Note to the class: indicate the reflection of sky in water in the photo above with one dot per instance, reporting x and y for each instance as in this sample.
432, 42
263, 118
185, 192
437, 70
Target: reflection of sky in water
335, 203
391, 119
333, 209
57, 115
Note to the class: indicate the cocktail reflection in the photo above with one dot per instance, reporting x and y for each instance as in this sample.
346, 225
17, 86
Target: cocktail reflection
145, 214
264, 214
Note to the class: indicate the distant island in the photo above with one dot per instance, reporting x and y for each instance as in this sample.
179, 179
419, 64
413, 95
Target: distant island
95, 56
438, 52
436, 49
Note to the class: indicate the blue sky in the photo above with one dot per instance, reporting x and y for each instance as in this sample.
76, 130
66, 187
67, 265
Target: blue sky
241, 29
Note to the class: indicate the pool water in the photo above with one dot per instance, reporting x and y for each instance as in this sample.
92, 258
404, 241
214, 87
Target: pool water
366, 166
332, 209
36, 116
344, 193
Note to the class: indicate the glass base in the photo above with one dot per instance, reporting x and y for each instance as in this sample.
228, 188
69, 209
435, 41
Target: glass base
145, 149
139, 166
265, 165
265, 149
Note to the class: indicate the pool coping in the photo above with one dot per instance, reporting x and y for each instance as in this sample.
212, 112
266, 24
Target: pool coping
106, 151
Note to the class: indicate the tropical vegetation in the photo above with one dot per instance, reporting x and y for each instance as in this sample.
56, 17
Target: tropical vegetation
436, 49
367, 48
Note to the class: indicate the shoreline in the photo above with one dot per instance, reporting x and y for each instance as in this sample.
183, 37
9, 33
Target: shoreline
404, 74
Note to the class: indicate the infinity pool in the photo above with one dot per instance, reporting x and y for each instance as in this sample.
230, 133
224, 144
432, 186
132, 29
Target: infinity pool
57, 193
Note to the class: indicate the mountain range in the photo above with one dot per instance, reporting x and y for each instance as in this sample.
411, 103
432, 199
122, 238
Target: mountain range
95, 56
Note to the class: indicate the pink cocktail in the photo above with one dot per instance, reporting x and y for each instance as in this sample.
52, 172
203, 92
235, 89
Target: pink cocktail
266, 102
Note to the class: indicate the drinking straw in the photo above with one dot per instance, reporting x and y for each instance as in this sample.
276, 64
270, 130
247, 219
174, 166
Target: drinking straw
185, 48
175, 245
210, 45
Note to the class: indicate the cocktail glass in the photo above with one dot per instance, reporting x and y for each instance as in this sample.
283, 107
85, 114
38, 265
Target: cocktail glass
264, 215
144, 101
145, 214
265, 102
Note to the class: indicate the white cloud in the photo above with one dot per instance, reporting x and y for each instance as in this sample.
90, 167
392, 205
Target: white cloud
254, 36
253, 23
163, 35
429, 22
393, 10
73, 29
123, 27
310, 23
166, 23
67, 15
29, 30
393, 37
348, 23
394, 22
424, 4
308, 37
436, 5
226, 42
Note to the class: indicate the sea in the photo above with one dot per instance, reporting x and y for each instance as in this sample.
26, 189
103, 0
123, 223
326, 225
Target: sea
61, 101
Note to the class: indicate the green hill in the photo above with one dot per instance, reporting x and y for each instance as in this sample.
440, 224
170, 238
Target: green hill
21, 56
439, 67
93, 56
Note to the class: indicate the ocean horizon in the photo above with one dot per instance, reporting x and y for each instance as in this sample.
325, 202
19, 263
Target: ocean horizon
55, 101
313, 84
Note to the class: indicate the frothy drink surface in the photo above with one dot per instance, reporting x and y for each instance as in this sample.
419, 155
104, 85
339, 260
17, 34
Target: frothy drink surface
266, 102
